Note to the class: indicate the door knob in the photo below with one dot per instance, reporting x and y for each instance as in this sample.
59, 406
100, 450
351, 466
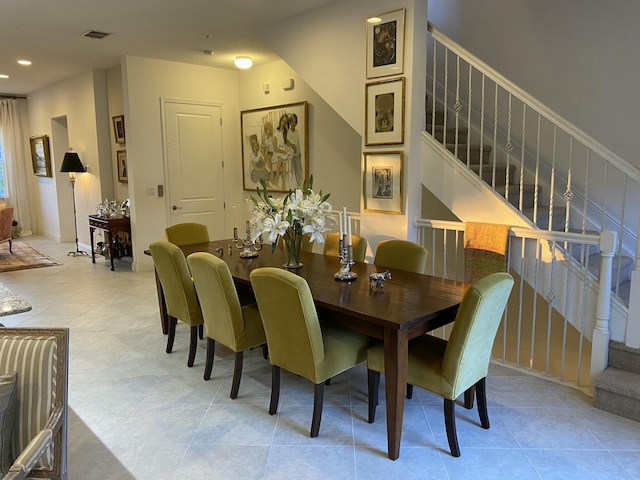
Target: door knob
175, 207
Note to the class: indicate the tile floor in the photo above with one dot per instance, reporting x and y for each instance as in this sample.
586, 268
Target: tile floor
138, 413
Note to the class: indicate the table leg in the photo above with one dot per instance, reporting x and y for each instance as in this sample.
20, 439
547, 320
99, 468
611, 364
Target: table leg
107, 238
164, 316
395, 378
93, 253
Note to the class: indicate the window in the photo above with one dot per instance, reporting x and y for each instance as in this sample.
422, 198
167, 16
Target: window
1, 172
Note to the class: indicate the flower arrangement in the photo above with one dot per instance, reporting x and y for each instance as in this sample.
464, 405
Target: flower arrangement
301, 212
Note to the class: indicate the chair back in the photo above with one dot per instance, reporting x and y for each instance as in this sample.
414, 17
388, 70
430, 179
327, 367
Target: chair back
401, 254
290, 320
466, 358
219, 301
186, 233
6, 220
332, 246
179, 292
40, 358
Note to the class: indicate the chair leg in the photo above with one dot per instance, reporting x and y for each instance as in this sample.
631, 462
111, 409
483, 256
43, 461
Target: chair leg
481, 396
237, 374
373, 384
275, 389
10, 246
318, 399
173, 321
193, 345
409, 391
327, 381
265, 351
450, 424
468, 397
201, 331
208, 364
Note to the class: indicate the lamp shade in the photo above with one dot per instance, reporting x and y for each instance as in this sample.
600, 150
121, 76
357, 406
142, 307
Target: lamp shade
71, 163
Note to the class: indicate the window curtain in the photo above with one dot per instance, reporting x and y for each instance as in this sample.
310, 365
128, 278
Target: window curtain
15, 171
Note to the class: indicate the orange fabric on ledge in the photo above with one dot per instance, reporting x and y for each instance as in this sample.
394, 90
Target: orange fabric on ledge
485, 249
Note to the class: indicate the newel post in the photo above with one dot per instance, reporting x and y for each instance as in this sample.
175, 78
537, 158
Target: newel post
632, 338
601, 332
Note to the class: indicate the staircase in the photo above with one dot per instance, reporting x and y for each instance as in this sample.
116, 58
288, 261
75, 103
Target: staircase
617, 388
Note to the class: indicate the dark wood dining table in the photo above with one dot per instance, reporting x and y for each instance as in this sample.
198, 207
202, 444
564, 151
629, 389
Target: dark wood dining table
408, 305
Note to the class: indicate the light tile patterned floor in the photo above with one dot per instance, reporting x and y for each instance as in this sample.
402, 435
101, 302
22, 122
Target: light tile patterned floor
138, 413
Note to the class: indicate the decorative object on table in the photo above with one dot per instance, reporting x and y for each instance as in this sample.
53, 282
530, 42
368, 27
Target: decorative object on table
10, 303
299, 213
385, 44
345, 248
376, 280
40, 156
111, 209
24, 257
118, 129
384, 112
71, 164
485, 249
275, 147
122, 166
382, 180
249, 245
125, 208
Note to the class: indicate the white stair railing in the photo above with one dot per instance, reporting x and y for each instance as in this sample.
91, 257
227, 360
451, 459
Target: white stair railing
557, 321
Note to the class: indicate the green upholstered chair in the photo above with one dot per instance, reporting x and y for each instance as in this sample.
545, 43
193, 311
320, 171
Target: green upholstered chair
451, 368
295, 338
401, 254
332, 246
236, 327
179, 293
186, 233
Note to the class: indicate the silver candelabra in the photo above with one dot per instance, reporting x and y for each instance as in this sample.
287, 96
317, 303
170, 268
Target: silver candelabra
249, 247
346, 261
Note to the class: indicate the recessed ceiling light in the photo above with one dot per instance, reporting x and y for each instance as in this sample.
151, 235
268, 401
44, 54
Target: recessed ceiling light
374, 19
2, 75
24, 62
243, 62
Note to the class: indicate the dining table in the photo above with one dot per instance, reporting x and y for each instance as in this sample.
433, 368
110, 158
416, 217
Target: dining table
403, 307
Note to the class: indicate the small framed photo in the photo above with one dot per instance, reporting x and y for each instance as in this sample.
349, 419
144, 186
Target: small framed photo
384, 112
121, 156
383, 182
275, 147
118, 129
41, 156
385, 44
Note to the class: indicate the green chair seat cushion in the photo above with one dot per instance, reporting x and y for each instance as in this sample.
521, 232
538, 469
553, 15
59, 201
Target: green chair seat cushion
342, 350
8, 413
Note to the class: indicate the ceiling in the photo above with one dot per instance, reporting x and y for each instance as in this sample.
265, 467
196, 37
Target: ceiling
50, 34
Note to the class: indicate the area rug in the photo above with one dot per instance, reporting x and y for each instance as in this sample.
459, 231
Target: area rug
23, 257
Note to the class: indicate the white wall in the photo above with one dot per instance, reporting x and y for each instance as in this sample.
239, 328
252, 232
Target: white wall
578, 57
73, 99
120, 190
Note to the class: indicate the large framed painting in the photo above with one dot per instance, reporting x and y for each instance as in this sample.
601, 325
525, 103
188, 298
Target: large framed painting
385, 44
383, 182
384, 112
41, 156
275, 147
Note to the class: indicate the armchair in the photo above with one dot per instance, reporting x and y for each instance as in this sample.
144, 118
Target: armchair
38, 443
6, 220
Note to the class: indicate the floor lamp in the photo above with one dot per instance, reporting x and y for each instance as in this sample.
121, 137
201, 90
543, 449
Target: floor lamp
71, 163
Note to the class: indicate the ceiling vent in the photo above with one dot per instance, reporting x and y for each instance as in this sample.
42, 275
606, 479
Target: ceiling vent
95, 34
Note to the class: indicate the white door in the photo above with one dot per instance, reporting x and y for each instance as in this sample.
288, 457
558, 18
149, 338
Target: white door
194, 184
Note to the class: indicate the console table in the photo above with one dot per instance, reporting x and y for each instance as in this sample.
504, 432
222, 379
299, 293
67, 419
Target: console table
110, 226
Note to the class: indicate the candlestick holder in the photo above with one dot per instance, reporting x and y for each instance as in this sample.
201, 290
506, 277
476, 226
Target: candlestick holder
346, 261
249, 247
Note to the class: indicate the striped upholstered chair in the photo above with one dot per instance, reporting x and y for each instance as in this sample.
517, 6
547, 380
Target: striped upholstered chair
33, 400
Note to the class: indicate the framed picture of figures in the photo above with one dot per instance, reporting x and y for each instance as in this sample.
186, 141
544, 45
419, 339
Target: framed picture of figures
121, 156
275, 147
384, 112
41, 156
382, 182
385, 44
118, 129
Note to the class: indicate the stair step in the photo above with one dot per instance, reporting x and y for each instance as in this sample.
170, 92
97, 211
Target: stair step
528, 194
438, 133
619, 262
473, 151
618, 391
623, 357
542, 219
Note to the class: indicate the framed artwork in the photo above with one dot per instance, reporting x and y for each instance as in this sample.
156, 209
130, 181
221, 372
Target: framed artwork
385, 44
384, 112
275, 147
383, 182
41, 156
118, 129
121, 156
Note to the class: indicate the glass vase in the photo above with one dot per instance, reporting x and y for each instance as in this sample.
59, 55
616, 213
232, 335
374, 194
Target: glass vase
292, 244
